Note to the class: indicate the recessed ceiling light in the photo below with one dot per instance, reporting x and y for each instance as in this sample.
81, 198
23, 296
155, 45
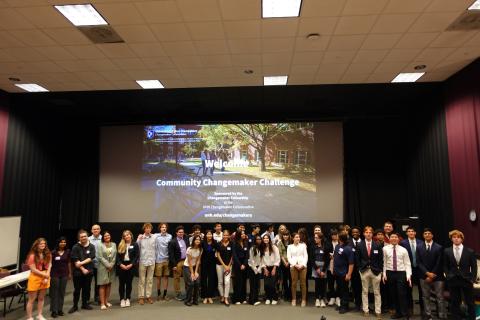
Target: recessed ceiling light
475, 5
31, 87
281, 8
313, 36
14, 79
408, 77
420, 67
150, 84
82, 15
275, 81
248, 71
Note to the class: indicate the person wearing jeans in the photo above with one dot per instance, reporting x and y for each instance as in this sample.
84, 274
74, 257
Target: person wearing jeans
191, 271
127, 258
208, 280
298, 258
285, 266
146, 266
95, 239
224, 267
60, 274
270, 263
255, 270
320, 259
343, 260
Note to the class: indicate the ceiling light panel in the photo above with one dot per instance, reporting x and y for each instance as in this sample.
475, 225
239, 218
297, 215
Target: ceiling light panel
275, 81
31, 87
82, 15
281, 8
150, 84
408, 77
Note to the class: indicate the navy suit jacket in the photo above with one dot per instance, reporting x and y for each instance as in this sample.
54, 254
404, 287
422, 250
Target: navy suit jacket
466, 270
406, 244
430, 261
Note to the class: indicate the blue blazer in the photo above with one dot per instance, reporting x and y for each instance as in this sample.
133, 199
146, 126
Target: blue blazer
431, 261
406, 244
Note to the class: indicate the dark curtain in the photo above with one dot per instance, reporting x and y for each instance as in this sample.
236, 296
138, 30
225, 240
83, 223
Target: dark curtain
463, 132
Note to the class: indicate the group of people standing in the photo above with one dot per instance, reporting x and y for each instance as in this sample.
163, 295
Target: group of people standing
342, 265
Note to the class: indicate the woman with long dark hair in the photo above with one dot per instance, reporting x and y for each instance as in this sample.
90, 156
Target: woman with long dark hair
255, 270
319, 260
224, 267
270, 262
208, 280
127, 258
39, 259
285, 266
107, 257
191, 270
240, 267
60, 274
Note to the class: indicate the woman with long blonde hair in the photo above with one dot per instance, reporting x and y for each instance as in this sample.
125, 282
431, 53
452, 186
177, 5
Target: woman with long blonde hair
39, 259
127, 258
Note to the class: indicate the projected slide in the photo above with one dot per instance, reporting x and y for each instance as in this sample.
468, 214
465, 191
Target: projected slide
222, 172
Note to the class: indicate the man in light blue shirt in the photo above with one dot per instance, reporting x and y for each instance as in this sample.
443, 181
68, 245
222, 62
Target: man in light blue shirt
96, 240
162, 269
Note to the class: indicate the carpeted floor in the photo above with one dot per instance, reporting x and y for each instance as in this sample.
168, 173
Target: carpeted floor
175, 310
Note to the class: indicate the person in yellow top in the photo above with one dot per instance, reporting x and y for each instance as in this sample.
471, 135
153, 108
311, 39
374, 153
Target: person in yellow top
39, 259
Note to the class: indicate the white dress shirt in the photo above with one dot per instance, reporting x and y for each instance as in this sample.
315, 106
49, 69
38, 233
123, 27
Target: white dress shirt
297, 254
271, 259
403, 260
460, 250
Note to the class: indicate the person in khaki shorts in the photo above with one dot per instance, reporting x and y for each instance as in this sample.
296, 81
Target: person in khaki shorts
162, 268
177, 252
146, 266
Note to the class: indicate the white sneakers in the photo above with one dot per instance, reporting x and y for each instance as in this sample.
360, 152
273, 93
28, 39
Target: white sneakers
322, 304
256, 303
238, 302
127, 303
40, 317
337, 301
331, 302
274, 302
317, 303
122, 303
103, 307
267, 301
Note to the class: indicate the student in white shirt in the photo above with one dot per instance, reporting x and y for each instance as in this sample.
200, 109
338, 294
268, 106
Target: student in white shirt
218, 234
191, 271
270, 261
298, 258
255, 270
397, 272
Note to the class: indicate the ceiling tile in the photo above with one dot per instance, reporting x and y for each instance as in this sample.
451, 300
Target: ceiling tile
187, 61
135, 33
361, 68
129, 64
355, 24
5, 57
324, 8
67, 36
44, 17
367, 56
56, 53
390, 67
101, 64
102, 85
246, 60
355, 7
120, 13
244, 46
279, 28
240, 10
145, 50
192, 73
242, 29
275, 70
303, 44
354, 78
416, 40
171, 31
300, 79
338, 57
116, 50
158, 63
115, 75
278, 44
448, 5
216, 60
179, 48
433, 22
75, 65
221, 72
210, 30
212, 47
327, 78
166, 74
25, 54
194, 10
33, 37
86, 52
435, 76
75, 86
451, 65
432, 56
452, 39
140, 74
304, 69
394, 23
159, 11
10, 19
386, 77
125, 85
307, 58
380, 41
8, 40
90, 76
174, 83
269, 59
402, 55
406, 6
464, 54
473, 42
322, 26
350, 42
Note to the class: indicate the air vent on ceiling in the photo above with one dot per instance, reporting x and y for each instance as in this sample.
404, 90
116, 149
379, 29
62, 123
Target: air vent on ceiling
469, 20
101, 34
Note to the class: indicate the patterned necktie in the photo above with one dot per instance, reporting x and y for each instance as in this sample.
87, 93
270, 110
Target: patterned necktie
414, 253
457, 254
368, 248
394, 258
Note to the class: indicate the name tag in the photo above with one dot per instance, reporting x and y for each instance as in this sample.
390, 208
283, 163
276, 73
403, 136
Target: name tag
353, 249
88, 251
57, 258
249, 240
228, 248
131, 247
245, 249
321, 251
375, 251
340, 250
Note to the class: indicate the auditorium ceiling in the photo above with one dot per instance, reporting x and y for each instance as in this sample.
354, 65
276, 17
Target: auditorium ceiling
227, 43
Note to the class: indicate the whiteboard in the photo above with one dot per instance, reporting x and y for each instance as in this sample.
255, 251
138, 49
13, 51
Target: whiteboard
10, 240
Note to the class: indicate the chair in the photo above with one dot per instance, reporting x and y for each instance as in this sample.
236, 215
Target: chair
12, 292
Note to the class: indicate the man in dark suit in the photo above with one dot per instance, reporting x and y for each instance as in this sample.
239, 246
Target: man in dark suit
369, 258
460, 267
177, 252
411, 244
430, 267
356, 282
